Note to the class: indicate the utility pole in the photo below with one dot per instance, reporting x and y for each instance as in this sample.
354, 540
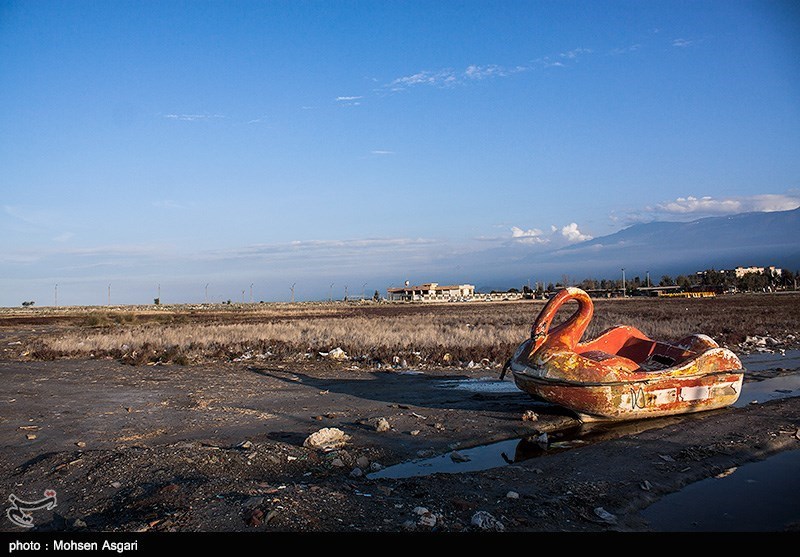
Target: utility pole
363, 290
623, 283
345, 292
206, 292
648, 279
330, 293
251, 292
159, 292
56, 294
293, 292
109, 294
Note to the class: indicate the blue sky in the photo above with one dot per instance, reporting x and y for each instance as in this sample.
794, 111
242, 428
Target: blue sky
166, 146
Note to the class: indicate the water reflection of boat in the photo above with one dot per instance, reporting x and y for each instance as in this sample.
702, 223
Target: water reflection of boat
622, 374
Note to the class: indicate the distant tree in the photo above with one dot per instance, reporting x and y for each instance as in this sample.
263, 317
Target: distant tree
157, 301
550, 287
28, 304
666, 280
683, 282
376, 297
513, 291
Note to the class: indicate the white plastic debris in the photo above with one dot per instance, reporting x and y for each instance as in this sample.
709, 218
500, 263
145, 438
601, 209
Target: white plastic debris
486, 521
326, 439
605, 516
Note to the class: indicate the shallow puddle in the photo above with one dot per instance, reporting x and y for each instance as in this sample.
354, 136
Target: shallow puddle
757, 497
762, 361
510, 451
480, 385
754, 392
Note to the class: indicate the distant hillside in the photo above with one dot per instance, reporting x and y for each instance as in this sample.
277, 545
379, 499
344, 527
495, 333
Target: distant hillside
679, 247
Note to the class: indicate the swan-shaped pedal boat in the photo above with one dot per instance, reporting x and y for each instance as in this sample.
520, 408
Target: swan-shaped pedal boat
622, 374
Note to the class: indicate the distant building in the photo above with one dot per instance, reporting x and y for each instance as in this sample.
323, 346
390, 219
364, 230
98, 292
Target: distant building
431, 292
771, 271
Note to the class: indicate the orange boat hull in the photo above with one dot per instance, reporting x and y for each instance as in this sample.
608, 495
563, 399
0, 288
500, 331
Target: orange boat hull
622, 374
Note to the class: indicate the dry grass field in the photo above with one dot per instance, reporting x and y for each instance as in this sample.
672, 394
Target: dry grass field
373, 333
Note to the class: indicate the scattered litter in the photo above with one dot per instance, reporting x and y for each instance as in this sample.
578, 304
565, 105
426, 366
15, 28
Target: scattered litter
686, 469
115, 485
255, 517
414, 432
382, 424
605, 516
486, 521
290, 458
245, 445
78, 523
666, 458
428, 520
456, 456
80, 444
30, 436
326, 439
529, 416
726, 473
420, 511
335, 354
542, 439
253, 502
646, 486
512, 495
797, 434
420, 416
65, 464
270, 515
30, 427
337, 462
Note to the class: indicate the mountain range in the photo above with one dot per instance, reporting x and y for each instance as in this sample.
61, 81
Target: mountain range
668, 248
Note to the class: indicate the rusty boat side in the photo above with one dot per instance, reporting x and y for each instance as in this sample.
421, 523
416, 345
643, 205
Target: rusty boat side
622, 374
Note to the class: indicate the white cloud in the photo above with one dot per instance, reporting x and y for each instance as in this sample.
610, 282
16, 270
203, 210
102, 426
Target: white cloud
482, 72
572, 234
192, 117
381, 152
344, 99
626, 49
439, 78
697, 207
556, 237
574, 53
710, 205
682, 43
530, 236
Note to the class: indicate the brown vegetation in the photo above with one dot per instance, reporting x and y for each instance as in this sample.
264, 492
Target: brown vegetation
373, 333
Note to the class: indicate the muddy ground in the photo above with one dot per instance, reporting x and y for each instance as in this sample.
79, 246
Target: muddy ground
220, 448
